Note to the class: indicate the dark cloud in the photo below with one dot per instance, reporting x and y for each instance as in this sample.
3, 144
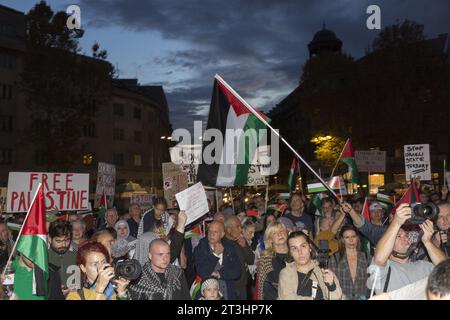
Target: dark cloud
259, 46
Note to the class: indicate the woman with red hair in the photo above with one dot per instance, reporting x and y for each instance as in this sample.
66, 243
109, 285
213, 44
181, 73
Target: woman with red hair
97, 275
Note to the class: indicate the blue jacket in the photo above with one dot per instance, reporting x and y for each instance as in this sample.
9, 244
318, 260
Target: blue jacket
371, 231
205, 262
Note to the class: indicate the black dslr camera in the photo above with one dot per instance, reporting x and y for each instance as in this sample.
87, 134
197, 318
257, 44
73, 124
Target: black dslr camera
129, 269
323, 254
420, 212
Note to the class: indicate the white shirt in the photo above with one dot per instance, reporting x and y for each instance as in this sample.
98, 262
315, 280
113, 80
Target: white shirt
220, 256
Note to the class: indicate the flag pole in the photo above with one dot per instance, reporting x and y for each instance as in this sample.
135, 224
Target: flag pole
266, 199
252, 110
216, 193
232, 200
20, 232
340, 156
445, 169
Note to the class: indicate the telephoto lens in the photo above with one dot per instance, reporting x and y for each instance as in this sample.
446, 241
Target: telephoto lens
128, 269
422, 212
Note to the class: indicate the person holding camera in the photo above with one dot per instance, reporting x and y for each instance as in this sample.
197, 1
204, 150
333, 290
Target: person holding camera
303, 279
97, 275
391, 267
441, 237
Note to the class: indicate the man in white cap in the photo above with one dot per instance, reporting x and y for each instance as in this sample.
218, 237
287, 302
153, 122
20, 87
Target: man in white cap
376, 213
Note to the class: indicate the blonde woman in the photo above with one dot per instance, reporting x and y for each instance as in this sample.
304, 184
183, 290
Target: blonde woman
272, 261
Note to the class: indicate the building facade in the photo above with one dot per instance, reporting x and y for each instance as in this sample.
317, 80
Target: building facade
385, 100
126, 130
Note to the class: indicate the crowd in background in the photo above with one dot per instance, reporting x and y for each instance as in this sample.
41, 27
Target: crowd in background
286, 249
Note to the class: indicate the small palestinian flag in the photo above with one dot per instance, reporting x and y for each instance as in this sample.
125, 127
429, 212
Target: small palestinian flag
194, 233
410, 196
348, 157
195, 288
390, 200
365, 211
240, 130
32, 242
103, 206
283, 195
317, 202
316, 187
294, 173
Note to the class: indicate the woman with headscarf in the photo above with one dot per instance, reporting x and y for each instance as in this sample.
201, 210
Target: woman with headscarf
123, 231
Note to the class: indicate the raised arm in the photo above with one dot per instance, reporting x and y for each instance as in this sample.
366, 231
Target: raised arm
386, 244
436, 254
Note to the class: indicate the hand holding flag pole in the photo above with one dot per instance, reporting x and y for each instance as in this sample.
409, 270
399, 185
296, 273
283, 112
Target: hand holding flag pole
20, 232
252, 110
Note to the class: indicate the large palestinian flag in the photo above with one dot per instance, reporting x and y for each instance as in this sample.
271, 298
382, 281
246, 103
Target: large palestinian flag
240, 133
33, 242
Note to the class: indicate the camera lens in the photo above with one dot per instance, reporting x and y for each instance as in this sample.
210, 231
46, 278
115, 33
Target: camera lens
128, 269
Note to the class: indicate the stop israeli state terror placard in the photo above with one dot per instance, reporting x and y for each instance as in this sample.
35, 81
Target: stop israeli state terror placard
417, 161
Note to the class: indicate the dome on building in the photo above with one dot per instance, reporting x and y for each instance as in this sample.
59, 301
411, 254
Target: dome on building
324, 41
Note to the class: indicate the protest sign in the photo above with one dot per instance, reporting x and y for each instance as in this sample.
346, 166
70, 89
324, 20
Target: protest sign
371, 161
193, 200
3, 193
106, 182
447, 179
64, 191
144, 200
174, 181
188, 156
417, 161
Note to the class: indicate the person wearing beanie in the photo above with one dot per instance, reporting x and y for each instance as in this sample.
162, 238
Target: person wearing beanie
210, 289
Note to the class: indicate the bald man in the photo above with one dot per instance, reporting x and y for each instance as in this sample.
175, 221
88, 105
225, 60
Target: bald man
160, 280
218, 258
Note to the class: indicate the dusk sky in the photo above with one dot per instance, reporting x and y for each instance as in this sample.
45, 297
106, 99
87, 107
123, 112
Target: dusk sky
258, 46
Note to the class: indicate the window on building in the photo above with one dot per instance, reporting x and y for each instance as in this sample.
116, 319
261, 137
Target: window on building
118, 159
118, 134
92, 108
8, 61
6, 123
6, 156
138, 136
6, 92
89, 130
137, 113
137, 160
118, 109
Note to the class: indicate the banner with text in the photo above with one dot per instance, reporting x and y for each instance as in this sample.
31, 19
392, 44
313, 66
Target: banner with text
106, 181
371, 161
174, 181
417, 161
193, 200
64, 191
144, 200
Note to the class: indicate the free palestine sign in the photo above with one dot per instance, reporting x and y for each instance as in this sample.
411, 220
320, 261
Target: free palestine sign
64, 191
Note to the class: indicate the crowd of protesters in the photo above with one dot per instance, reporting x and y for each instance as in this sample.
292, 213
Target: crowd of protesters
244, 252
